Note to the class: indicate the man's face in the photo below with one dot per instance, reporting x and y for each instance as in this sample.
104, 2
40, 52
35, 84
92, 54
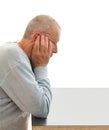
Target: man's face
54, 38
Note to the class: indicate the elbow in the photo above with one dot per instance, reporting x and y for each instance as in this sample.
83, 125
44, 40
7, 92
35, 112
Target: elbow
43, 109
42, 112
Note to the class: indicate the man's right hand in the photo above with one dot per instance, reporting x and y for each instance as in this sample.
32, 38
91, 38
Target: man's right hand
41, 52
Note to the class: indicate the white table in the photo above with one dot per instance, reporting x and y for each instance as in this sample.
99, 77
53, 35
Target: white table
76, 109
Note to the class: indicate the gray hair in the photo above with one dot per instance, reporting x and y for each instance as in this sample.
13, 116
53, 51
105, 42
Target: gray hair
41, 23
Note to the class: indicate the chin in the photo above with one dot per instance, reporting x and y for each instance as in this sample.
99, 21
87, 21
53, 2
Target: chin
51, 55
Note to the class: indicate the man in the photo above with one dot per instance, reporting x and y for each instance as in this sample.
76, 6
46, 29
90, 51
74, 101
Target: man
24, 83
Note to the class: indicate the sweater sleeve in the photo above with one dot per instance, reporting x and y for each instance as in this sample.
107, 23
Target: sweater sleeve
29, 90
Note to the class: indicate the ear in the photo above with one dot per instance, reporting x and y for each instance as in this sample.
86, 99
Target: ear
35, 35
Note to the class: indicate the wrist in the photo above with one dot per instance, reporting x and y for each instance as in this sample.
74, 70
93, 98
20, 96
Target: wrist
40, 72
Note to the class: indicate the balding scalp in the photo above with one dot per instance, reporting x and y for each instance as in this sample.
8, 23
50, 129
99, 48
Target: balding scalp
41, 23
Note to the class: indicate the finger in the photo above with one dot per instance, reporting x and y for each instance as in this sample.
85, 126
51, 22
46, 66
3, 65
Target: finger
36, 45
44, 43
50, 48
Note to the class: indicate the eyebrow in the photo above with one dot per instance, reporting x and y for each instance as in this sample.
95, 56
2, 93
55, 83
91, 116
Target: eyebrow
50, 38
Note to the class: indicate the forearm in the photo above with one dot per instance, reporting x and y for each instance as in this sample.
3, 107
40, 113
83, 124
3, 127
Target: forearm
41, 77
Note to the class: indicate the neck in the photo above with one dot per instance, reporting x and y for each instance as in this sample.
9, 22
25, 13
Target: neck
26, 46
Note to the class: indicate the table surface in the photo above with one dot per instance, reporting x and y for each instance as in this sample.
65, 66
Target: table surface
77, 106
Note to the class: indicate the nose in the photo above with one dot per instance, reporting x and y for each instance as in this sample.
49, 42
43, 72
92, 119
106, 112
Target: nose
54, 50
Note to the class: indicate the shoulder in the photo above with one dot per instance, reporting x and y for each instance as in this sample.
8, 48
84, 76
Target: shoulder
13, 54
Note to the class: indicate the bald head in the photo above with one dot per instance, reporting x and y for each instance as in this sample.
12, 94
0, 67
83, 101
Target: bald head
42, 23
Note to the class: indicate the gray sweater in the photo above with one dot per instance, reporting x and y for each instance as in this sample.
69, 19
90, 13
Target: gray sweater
22, 90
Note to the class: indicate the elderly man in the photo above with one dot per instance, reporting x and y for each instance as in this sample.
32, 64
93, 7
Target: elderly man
24, 84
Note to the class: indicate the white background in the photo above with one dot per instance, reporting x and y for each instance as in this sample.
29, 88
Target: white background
83, 50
